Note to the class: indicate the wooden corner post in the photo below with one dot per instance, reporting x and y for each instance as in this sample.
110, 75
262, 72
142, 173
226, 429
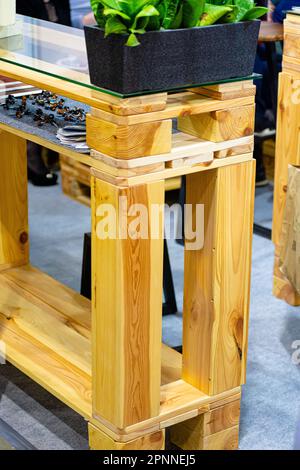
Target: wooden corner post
217, 280
14, 243
126, 304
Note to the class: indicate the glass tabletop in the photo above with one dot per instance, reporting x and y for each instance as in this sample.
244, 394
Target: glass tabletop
59, 51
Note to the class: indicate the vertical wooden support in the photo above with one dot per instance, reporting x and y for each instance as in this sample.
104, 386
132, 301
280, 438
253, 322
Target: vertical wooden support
14, 245
217, 280
217, 429
287, 152
126, 305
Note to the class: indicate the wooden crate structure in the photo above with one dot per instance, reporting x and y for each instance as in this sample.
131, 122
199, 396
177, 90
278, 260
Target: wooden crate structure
105, 358
287, 145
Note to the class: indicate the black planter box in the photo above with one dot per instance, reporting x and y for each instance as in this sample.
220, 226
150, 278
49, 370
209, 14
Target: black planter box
171, 58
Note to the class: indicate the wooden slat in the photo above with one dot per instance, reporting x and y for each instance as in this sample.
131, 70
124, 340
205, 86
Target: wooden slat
217, 280
227, 91
172, 172
127, 299
179, 104
183, 146
14, 243
56, 330
287, 147
51, 292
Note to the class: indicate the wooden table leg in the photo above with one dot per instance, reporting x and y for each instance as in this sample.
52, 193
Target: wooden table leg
126, 309
14, 244
287, 152
217, 283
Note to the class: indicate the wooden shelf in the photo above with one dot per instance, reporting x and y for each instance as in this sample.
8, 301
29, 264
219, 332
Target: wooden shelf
46, 328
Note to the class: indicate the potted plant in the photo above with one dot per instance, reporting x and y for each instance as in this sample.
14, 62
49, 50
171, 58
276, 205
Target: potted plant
154, 45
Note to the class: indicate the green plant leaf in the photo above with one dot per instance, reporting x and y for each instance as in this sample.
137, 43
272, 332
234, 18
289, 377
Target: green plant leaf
192, 11
170, 13
231, 16
111, 11
254, 13
114, 26
146, 12
114, 4
243, 7
132, 41
212, 13
178, 19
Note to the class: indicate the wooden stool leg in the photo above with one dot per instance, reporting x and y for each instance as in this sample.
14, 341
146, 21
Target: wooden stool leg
98, 440
217, 429
127, 278
217, 280
14, 245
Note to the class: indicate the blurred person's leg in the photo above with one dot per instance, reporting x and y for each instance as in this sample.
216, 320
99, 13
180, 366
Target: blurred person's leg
38, 173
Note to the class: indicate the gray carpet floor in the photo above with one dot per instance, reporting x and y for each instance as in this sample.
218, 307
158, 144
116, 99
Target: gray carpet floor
271, 398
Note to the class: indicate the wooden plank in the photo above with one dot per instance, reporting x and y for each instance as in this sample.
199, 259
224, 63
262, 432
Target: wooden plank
68, 383
217, 280
179, 401
238, 150
55, 330
98, 440
127, 299
227, 91
178, 104
217, 126
183, 146
129, 141
287, 147
51, 292
14, 239
172, 172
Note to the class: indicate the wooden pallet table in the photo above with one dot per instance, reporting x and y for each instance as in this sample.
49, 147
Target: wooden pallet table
287, 145
105, 358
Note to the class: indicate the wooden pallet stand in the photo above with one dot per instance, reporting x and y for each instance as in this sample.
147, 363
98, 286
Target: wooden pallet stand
287, 145
105, 358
